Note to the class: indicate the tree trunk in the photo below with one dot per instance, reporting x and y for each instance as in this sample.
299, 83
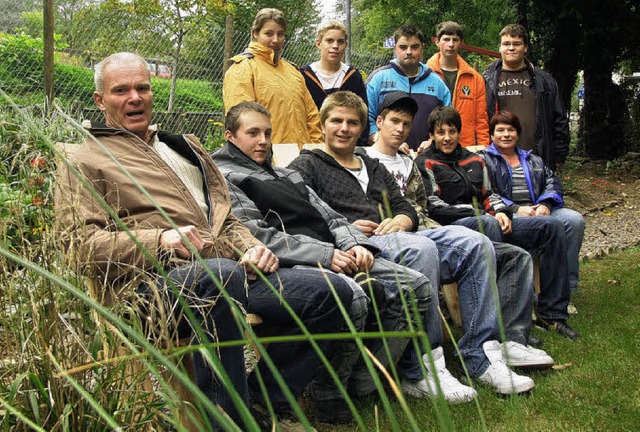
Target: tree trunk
605, 108
604, 114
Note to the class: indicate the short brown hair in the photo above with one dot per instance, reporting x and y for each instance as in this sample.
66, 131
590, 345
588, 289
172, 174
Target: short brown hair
331, 25
344, 99
232, 119
515, 30
408, 30
444, 115
450, 28
505, 117
267, 14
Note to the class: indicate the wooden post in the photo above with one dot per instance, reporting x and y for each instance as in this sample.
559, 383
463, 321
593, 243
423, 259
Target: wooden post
228, 43
48, 53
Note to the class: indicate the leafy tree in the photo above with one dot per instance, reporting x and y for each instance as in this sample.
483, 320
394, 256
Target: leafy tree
177, 19
610, 35
300, 14
597, 37
68, 12
12, 10
378, 19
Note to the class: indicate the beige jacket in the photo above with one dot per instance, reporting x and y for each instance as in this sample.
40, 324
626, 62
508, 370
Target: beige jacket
96, 237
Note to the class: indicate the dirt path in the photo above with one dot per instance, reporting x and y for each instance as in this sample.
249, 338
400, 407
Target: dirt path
608, 196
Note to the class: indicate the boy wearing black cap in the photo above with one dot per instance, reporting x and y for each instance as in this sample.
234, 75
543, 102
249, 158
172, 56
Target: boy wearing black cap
513, 278
362, 189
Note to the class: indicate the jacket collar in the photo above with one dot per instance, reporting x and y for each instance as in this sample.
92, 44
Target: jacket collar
100, 129
424, 72
369, 163
522, 154
232, 154
497, 67
264, 52
436, 154
434, 64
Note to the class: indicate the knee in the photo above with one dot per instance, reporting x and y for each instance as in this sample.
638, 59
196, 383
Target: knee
423, 291
360, 307
576, 221
421, 250
222, 275
344, 292
489, 226
555, 228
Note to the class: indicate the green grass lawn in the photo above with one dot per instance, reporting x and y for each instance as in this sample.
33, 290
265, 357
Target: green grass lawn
598, 390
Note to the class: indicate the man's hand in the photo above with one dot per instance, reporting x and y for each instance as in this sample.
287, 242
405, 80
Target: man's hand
262, 258
542, 210
404, 148
387, 226
363, 256
505, 222
172, 241
526, 210
366, 226
423, 146
343, 262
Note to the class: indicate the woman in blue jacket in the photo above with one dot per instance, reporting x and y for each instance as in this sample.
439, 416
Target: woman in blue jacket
528, 186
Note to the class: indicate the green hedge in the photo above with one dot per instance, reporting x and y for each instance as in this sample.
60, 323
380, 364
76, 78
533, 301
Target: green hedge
22, 77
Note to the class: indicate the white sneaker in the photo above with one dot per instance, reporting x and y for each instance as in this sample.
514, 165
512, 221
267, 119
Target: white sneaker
518, 355
499, 376
453, 391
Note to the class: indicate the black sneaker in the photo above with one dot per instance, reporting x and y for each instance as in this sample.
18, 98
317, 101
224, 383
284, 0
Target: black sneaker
261, 416
333, 411
560, 327
535, 342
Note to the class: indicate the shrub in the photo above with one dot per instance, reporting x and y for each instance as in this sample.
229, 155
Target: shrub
21, 62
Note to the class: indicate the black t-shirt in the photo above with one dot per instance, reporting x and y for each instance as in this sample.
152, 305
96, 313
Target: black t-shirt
450, 78
515, 95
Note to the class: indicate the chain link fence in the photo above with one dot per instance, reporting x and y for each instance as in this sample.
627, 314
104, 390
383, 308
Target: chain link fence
186, 59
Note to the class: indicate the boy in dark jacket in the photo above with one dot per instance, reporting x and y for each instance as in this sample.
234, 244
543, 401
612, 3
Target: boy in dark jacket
362, 189
459, 191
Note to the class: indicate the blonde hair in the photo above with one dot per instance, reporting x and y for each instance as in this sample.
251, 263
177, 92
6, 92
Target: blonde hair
331, 25
344, 99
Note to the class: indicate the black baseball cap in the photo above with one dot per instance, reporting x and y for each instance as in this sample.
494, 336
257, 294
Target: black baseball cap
399, 99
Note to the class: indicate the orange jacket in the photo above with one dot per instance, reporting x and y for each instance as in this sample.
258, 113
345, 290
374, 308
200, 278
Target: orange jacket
257, 75
469, 98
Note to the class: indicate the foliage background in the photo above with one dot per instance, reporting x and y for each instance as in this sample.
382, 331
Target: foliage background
43, 324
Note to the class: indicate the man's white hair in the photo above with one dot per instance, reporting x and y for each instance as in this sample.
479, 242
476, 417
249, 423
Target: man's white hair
121, 57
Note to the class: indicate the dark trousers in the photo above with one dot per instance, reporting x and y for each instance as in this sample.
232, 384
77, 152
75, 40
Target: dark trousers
308, 294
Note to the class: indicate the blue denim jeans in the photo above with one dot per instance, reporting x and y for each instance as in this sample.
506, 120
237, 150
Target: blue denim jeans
399, 282
307, 292
515, 290
467, 257
574, 229
346, 352
210, 309
419, 254
544, 236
